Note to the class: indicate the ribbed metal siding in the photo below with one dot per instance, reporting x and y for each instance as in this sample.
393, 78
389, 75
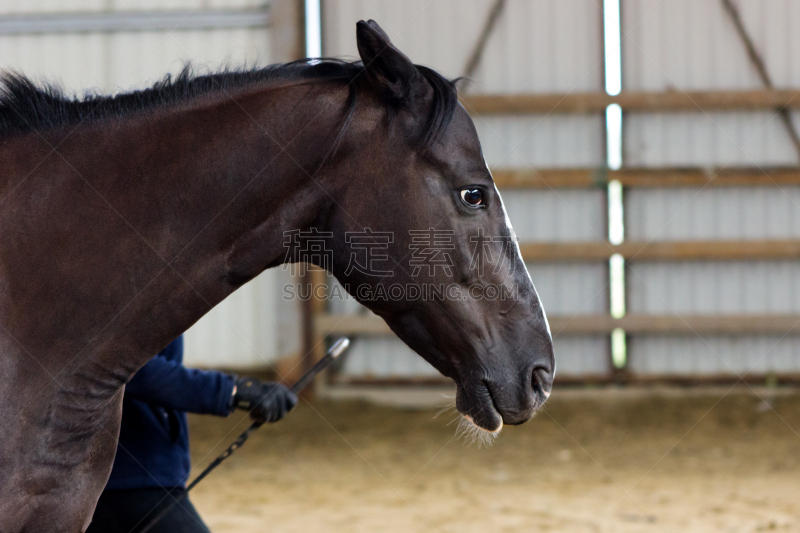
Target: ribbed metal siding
715, 287
553, 215
117, 62
692, 45
568, 289
537, 46
713, 213
715, 355
540, 141
15, 7
707, 139
255, 325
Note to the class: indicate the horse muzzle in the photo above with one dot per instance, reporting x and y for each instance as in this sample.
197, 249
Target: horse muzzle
492, 403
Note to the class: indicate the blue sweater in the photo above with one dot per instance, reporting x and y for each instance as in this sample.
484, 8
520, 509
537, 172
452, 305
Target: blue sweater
153, 449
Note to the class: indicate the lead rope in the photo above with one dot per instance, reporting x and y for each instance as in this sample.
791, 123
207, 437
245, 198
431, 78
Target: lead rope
335, 351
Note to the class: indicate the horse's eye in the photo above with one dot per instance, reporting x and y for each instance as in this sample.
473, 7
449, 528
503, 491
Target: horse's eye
472, 197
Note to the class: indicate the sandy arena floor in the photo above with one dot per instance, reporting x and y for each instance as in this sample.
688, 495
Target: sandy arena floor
592, 461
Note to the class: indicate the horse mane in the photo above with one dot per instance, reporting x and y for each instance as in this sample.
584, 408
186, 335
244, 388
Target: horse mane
26, 107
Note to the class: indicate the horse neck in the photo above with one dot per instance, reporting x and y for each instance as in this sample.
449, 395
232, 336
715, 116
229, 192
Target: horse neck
229, 179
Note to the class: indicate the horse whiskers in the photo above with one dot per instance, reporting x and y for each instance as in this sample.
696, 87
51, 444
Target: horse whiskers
443, 410
471, 433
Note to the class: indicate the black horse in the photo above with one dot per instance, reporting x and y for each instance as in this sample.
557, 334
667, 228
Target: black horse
124, 219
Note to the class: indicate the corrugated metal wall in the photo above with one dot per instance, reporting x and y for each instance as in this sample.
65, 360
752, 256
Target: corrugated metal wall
15, 7
537, 46
124, 60
713, 213
255, 325
692, 45
686, 45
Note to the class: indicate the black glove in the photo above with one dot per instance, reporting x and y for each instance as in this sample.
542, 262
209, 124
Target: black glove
267, 402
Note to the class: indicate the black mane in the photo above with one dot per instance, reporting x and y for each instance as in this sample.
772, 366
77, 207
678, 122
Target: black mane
27, 107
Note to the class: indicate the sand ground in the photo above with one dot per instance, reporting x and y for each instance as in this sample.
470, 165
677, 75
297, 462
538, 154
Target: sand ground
605, 461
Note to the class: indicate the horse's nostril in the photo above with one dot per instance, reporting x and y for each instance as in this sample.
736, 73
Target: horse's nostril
542, 380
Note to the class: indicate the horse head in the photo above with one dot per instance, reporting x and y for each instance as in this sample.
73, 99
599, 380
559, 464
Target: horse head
445, 272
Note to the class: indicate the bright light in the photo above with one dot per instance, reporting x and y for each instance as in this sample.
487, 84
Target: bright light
619, 348
616, 225
613, 54
313, 29
619, 340
617, 267
614, 136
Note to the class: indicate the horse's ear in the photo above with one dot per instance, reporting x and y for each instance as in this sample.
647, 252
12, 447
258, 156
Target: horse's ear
389, 69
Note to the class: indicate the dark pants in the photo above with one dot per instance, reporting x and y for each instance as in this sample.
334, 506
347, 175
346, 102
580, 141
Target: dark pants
124, 511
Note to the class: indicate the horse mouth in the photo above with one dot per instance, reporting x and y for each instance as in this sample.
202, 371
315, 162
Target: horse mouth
482, 408
479, 409
495, 431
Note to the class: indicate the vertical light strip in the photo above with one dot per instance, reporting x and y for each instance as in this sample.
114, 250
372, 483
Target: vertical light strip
611, 40
616, 226
616, 219
617, 267
313, 28
614, 136
619, 348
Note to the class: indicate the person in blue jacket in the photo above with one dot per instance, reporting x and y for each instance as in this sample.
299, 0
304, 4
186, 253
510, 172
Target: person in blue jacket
152, 462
